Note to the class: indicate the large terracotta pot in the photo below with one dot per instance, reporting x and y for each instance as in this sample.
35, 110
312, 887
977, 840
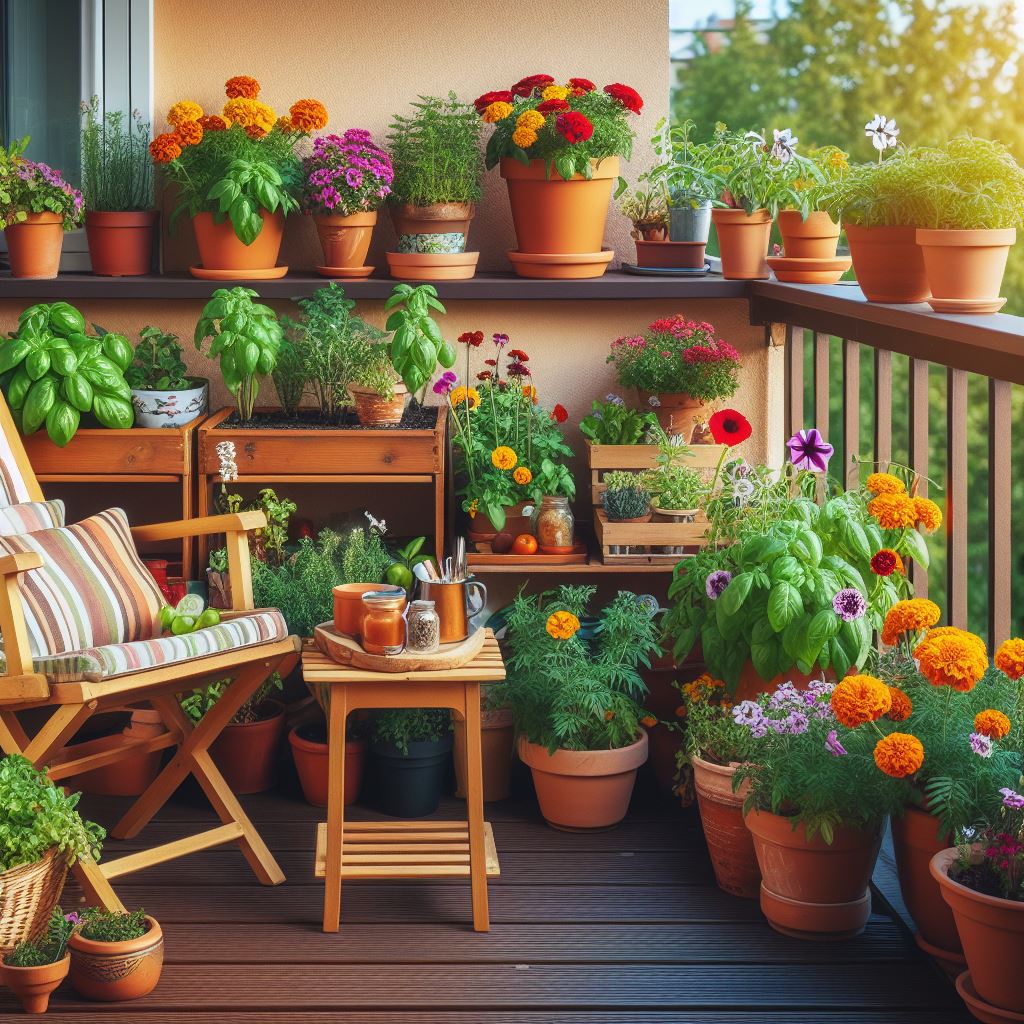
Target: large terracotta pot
375, 410
34, 245
345, 240
992, 932
221, 249
112, 972
813, 239
730, 842
496, 736
33, 985
245, 753
311, 752
584, 789
888, 263
675, 410
516, 521
811, 889
965, 268
349, 608
916, 840
121, 244
743, 242
751, 685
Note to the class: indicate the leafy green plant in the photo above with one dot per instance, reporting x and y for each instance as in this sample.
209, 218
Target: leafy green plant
51, 372
418, 345
100, 925
289, 375
435, 153
402, 726
879, 194
117, 170
51, 948
29, 187
625, 496
37, 816
378, 374
197, 703
674, 485
682, 176
245, 337
278, 512
157, 364
302, 586
646, 209
364, 557
710, 731
614, 422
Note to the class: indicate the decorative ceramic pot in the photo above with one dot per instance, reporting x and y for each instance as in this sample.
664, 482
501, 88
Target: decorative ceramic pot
310, 751
496, 739
246, 752
375, 410
170, 408
34, 245
438, 228
121, 244
33, 985
743, 242
676, 411
113, 972
345, 240
408, 785
965, 268
220, 249
348, 606
813, 239
888, 263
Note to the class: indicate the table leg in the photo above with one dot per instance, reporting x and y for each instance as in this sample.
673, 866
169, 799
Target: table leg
475, 808
335, 808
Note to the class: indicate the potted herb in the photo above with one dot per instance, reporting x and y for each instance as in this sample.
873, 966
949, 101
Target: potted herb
345, 181
162, 392
117, 183
559, 148
646, 211
809, 233
36, 207
678, 490
408, 751
626, 498
576, 703
115, 955
612, 422
380, 398
417, 345
36, 967
438, 170
237, 176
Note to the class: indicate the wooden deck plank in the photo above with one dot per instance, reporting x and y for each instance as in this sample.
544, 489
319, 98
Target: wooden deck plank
88, 1015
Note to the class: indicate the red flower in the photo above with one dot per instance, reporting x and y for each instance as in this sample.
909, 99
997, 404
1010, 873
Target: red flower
519, 355
574, 127
474, 338
886, 562
729, 427
518, 369
483, 102
559, 414
629, 98
552, 107
529, 85
581, 85
490, 362
484, 375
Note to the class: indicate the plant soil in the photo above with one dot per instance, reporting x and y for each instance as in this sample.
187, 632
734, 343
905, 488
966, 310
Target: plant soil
415, 417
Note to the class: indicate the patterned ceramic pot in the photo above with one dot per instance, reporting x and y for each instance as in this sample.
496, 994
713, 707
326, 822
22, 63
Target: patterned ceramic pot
113, 972
432, 244
170, 408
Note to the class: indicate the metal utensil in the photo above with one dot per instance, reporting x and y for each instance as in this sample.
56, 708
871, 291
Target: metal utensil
460, 559
420, 571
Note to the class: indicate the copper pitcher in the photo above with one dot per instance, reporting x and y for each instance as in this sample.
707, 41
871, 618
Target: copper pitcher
452, 604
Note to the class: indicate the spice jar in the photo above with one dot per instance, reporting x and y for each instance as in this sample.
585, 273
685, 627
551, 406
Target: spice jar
554, 524
383, 629
423, 631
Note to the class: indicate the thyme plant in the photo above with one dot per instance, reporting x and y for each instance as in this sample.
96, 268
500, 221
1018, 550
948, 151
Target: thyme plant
117, 170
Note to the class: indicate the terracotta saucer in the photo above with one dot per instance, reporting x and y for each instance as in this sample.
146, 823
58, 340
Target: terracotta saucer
793, 270
267, 274
966, 305
985, 1012
344, 271
432, 266
951, 963
560, 265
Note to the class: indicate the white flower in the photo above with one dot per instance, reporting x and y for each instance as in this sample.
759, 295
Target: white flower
376, 525
882, 132
742, 489
654, 401
784, 145
226, 455
757, 142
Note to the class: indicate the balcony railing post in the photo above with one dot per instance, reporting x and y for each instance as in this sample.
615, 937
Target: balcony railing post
1000, 505
851, 411
883, 407
822, 344
919, 449
956, 498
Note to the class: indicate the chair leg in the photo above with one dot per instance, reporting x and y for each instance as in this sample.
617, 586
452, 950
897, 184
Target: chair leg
475, 809
13, 738
95, 886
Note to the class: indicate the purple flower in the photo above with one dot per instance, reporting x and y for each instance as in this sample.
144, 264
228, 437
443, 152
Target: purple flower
849, 604
501, 340
785, 694
72, 918
809, 450
797, 722
445, 383
981, 745
747, 712
716, 582
353, 177
613, 399
759, 729
1011, 799
833, 746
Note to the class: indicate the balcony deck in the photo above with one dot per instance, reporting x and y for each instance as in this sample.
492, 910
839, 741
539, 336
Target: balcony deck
623, 927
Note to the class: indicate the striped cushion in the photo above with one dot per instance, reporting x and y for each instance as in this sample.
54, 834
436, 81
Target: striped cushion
13, 489
92, 589
31, 516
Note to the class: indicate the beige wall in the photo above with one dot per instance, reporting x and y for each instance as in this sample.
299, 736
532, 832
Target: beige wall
366, 62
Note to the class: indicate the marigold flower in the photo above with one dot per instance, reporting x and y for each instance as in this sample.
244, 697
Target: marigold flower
308, 115
504, 457
496, 111
554, 92
860, 699
463, 394
165, 148
189, 133
530, 119
242, 85
184, 110
885, 483
992, 723
893, 511
284, 123
681, 711
929, 515
1009, 658
952, 657
255, 131
885, 562
562, 625
581, 85
901, 706
609, 715
552, 107
627, 96
574, 127
899, 754
249, 112
648, 721
501, 96
526, 87
524, 138
522, 476
213, 123
909, 616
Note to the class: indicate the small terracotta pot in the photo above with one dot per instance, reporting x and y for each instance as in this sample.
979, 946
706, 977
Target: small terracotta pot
246, 753
743, 243
964, 266
992, 932
221, 249
496, 736
349, 608
730, 842
888, 263
131, 776
345, 240
813, 239
437, 266
584, 789
675, 410
34, 245
121, 244
34, 985
311, 758
376, 410
516, 522
811, 889
435, 219
114, 972
678, 255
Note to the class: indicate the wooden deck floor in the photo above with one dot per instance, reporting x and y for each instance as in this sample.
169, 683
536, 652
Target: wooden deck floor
619, 927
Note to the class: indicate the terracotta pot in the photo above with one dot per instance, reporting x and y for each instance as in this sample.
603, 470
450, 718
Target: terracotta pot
496, 735
517, 521
743, 243
348, 606
221, 249
584, 789
560, 266
813, 239
131, 776
965, 267
675, 410
552, 215
888, 263
113, 972
121, 244
992, 932
751, 685
448, 220
345, 240
439, 266
916, 840
246, 753
689, 255
376, 410
311, 763
730, 842
34, 245
810, 889
33, 985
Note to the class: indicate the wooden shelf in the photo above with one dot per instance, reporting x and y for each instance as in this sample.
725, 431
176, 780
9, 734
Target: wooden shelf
593, 566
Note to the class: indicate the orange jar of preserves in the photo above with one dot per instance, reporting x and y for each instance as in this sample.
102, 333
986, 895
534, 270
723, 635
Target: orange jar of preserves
383, 629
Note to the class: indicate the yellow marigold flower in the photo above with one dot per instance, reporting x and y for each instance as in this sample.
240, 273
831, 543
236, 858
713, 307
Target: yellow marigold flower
909, 616
893, 511
524, 138
496, 111
929, 515
250, 113
308, 115
504, 457
899, 754
463, 394
901, 706
184, 110
530, 119
242, 85
1009, 658
562, 625
284, 123
860, 699
474, 507
189, 133
992, 723
838, 160
952, 657
522, 476
555, 92
885, 483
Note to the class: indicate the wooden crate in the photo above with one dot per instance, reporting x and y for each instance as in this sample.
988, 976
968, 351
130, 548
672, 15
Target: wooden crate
601, 458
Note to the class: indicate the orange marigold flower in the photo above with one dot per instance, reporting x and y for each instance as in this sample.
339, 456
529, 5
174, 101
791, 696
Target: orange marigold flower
242, 85
184, 110
952, 657
562, 625
929, 515
522, 476
909, 616
497, 111
308, 115
609, 715
992, 723
190, 133
860, 699
504, 457
885, 483
893, 511
901, 707
285, 123
648, 721
255, 131
899, 754
248, 112
213, 123
1009, 658
165, 148
681, 711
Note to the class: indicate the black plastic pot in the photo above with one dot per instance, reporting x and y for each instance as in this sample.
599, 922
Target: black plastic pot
408, 785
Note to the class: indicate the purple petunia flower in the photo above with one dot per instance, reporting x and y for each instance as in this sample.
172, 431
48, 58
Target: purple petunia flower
716, 582
445, 383
1012, 799
747, 713
501, 340
809, 450
353, 177
797, 722
981, 745
613, 399
833, 746
849, 604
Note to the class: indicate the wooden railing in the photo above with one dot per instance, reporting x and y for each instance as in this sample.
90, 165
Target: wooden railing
838, 321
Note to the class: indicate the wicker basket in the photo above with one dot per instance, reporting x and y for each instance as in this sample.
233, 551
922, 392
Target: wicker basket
28, 894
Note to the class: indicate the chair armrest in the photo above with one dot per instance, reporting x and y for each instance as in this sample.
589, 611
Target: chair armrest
19, 562
232, 522
19, 684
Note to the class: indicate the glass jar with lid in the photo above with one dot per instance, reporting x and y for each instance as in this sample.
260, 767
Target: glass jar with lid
554, 525
384, 629
423, 629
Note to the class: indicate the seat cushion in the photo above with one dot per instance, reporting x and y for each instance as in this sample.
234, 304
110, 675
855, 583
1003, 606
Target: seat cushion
13, 488
31, 517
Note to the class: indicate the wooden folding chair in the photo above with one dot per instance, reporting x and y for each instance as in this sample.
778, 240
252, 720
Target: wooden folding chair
24, 688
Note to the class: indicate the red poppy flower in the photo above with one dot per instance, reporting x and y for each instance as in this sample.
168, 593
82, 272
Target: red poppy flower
552, 107
629, 98
729, 427
484, 375
559, 414
519, 355
583, 84
483, 102
529, 85
574, 127
474, 338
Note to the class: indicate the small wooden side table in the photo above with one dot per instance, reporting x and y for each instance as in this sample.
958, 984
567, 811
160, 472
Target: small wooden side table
403, 849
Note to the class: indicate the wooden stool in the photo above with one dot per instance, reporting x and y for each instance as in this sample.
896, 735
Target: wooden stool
403, 849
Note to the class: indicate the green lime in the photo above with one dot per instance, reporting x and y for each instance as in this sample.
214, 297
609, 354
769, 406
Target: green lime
166, 616
211, 617
191, 605
399, 575
183, 624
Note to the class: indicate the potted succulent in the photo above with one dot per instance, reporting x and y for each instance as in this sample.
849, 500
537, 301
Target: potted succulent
162, 392
237, 177
438, 170
116, 955
626, 498
36, 207
559, 148
36, 967
576, 704
345, 181
117, 183
408, 752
